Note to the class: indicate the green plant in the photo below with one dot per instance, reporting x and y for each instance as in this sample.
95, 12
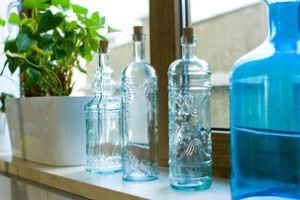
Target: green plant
54, 37
4, 96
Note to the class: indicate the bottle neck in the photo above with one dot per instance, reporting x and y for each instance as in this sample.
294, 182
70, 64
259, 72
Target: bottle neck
98, 84
284, 23
188, 48
108, 84
103, 60
139, 49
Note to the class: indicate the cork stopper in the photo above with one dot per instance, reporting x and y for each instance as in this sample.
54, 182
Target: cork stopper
188, 32
188, 35
103, 46
138, 33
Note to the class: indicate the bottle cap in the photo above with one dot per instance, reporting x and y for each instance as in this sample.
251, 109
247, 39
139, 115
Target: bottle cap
188, 35
188, 32
103, 46
138, 32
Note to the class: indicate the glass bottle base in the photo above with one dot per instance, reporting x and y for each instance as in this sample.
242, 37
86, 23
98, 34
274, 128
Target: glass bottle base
103, 171
191, 183
138, 179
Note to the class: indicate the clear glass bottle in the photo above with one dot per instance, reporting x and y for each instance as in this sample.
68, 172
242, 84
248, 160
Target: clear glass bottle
264, 109
190, 145
139, 115
103, 120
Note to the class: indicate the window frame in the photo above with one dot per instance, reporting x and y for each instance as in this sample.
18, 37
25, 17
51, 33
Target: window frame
166, 24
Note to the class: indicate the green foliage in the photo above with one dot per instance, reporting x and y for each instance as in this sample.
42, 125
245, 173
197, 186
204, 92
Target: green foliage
51, 44
14, 19
48, 21
2, 22
36, 4
3, 96
62, 3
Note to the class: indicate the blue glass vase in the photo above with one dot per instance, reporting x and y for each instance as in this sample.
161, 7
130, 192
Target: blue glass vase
265, 112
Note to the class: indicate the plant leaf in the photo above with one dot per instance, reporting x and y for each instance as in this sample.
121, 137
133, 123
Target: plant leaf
13, 62
94, 44
49, 21
4, 96
2, 22
70, 26
14, 18
33, 75
4, 66
88, 57
59, 54
80, 69
85, 49
24, 43
29, 22
93, 33
95, 21
36, 4
63, 3
112, 30
79, 9
15, 55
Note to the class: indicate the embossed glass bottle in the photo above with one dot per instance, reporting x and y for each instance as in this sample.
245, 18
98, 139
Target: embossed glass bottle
103, 120
139, 115
265, 112
189, 119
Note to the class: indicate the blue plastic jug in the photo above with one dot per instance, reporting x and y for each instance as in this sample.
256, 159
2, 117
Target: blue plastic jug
265, 111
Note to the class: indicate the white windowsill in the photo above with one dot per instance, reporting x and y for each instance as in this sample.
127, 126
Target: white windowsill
77, 181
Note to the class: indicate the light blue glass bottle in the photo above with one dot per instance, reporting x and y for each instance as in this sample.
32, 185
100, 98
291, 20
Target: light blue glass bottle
190, 147
265, 111
139, 115
103, 120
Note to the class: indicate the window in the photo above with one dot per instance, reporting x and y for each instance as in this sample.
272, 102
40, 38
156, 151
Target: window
8, 84
224, 30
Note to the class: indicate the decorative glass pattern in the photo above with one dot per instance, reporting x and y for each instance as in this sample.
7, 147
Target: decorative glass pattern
189, 120
103, 123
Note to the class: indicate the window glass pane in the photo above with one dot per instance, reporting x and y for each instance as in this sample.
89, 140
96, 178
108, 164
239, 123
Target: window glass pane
226, 30
8, 83
122, 15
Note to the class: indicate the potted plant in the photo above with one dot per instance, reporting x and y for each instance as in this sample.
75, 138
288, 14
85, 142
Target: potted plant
54, 37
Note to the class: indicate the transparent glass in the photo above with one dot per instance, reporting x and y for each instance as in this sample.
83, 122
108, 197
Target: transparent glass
103, 123
190, 145
139, 117
265, 119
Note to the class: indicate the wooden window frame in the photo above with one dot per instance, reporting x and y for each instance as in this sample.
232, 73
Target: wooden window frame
165, 30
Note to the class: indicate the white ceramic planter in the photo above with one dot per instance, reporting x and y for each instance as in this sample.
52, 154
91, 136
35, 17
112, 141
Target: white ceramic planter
48, 130
5, 145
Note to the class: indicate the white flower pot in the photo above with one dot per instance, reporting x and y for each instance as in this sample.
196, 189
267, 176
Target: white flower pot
48, 130
5, 145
